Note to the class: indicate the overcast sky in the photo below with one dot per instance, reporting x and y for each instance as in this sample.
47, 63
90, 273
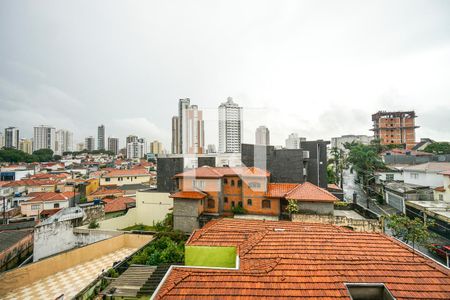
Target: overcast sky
318, 68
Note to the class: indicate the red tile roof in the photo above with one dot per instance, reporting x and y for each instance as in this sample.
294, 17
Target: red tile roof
210, 172
51, 196
188, 195
279, 190
106, 192
440, 189
132, 172
333, 187
49, 176
49, 212
304, 261
310, 192
31, 182
117, 204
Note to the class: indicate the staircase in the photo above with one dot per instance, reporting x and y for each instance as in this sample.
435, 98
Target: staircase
149, 287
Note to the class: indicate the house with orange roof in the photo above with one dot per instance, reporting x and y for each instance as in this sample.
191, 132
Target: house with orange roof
126, 177
46, 201
32, 185
254, 259
118, 206
206, 192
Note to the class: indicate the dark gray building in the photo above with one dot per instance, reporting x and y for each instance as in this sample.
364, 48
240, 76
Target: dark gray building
290, 165
167, 167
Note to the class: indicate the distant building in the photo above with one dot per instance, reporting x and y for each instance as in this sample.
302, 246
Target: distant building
12, 137
395, 128
132, 138
294, 141
44, 138
156, 147
339, 142
113, 145
101, 137
135, 150
211, 148
2, 140
64, 141
80, 147
26, 145
89, 143
262, 136
424, 142
230, 127
188, 134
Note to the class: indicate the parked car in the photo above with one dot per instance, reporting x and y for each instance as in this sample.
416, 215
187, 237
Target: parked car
441, 250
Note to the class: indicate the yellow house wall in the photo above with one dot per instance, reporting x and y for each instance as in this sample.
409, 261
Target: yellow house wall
125, 180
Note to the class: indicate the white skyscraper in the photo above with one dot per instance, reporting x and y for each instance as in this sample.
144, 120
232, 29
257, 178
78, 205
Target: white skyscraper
2, 140
293, 141
136, 149
113, 145
12, 137
262, 136
64, 141
89, 143
230, 127
44, 138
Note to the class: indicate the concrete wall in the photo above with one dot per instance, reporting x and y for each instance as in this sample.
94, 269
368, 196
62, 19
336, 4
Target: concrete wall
322, 208
422, 178
357, 225
28, 274
185, 215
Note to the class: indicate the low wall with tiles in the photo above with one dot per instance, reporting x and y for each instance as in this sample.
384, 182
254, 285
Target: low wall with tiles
356, 225
30, 273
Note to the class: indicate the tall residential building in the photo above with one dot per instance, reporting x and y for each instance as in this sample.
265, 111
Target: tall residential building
101, 137
135, 150
395, 128
89, 143
2, 140
262, 136
156, 147
131, 139
64, 141
230, 127
293, 141
44, 138
12, 137
113, 145
188, 133
26, 145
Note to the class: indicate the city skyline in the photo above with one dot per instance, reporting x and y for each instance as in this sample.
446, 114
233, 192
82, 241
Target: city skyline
320, 76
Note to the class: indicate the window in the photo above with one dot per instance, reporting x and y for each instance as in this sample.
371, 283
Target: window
135, 177
211, 203
389, 177
232, 182
254, 184
225, 181
199, 184
56, 205
232, 204
265, 204
414, 175
240, 204
249, 202
35, 207
366, 291
441, 197
225, 199
239, 183
107, 179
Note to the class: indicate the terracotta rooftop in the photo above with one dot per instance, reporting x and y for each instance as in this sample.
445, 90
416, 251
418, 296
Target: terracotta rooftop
32, 182
49, 176
117, 204
279, 190
310, 192
188, 195
430, 167
218, 172
304, 261
440, 189
333, 186
106, 192
52, 196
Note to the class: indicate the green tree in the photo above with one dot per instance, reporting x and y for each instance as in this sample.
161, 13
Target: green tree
43, 154
339, 163
438, 148
413, 231
292, 208
364, 159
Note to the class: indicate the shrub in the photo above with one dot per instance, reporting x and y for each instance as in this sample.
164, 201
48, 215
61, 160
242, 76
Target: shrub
341, 204
239, 210
93, 224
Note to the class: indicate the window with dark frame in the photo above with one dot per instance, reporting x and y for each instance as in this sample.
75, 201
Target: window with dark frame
249, 202
265, 204
211, 203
